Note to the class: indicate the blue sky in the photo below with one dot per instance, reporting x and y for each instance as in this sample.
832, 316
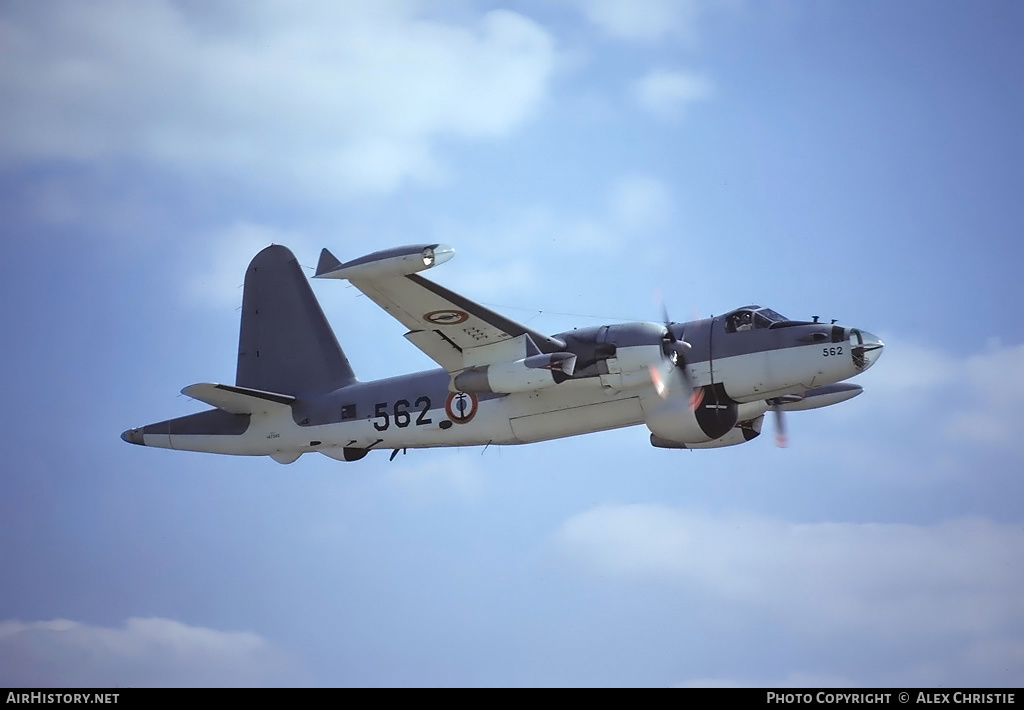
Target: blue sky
853, 161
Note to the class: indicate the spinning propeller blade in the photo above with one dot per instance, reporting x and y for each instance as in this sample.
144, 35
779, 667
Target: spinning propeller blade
780, 429
658, 381
675, 360
775, 404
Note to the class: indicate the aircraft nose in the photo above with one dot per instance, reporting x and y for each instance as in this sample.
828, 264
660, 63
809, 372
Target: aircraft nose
865, 348
133, 436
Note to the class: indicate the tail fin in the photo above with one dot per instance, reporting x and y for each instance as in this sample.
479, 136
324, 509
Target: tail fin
285, 344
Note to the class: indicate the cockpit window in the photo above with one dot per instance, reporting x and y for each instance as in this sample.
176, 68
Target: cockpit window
739, 321
750, 318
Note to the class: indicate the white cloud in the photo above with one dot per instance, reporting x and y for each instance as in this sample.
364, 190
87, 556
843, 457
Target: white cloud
993, 386
907, 370
317, 97
998, 375
642, 20
886, 580
145, 652
971, 398
666, 93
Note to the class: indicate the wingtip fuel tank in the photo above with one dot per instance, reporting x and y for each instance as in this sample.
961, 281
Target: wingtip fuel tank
399, 261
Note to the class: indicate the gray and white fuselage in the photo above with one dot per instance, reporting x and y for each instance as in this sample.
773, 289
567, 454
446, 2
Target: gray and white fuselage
580, 381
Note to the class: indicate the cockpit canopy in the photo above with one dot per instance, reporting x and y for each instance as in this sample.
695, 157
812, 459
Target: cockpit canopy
751, 317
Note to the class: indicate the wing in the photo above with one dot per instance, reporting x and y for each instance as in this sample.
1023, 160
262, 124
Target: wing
452, 330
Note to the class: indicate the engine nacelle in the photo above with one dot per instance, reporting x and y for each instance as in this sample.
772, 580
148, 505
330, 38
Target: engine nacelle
634, 347
740, 434
674, 421
526, 375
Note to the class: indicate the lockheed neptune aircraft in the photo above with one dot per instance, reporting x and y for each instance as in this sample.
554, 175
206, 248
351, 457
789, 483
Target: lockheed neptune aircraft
696, 385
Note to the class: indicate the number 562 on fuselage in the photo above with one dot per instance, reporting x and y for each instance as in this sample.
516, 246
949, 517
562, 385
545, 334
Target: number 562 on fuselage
702, 384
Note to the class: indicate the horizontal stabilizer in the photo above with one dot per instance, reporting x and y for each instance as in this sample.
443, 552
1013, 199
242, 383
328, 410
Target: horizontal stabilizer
237, 400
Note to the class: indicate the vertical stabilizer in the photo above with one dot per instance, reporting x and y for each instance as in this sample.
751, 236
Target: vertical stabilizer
285, 344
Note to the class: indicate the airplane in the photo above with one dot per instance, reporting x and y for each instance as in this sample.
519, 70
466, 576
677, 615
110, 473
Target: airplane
702, 384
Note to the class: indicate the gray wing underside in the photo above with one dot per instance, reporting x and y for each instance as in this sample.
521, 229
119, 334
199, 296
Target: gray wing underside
450, 329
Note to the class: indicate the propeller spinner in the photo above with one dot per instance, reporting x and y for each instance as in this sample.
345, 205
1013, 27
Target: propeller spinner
675, 352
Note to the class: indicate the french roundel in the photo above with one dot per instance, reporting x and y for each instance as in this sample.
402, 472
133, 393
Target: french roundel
448, 316
461, 407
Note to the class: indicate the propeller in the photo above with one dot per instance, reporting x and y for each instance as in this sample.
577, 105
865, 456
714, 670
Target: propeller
781, 440
775, 406
675, 351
